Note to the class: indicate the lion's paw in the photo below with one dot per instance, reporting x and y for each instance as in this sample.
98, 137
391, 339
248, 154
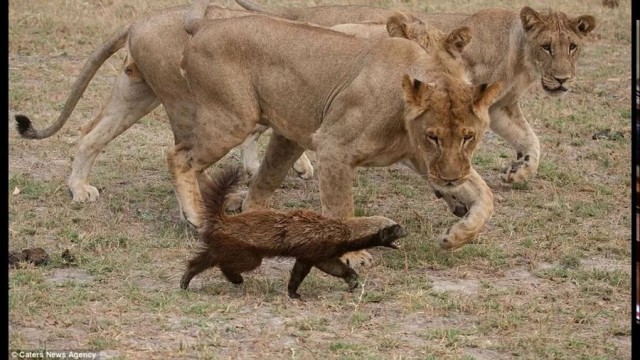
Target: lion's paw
451, 241
520, 171
457, 207
234, 201
358, 258
303, 167
84, 193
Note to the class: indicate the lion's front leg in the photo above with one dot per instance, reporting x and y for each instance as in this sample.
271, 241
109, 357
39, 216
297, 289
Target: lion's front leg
510, 123
474, 195
336, 177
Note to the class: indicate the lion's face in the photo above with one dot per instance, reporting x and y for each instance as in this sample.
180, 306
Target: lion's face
555, 42
446, 118
445, 122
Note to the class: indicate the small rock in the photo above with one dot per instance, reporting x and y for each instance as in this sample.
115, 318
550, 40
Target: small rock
36, 256
608, 135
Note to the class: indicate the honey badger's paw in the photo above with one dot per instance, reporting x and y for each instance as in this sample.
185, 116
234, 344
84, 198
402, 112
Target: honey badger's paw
358, 258
521, 170
303, 167
84, 193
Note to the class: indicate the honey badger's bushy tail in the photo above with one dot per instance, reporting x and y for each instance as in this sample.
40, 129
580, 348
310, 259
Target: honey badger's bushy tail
214, 193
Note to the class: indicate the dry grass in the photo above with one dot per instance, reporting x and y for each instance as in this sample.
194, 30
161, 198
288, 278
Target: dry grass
549, 277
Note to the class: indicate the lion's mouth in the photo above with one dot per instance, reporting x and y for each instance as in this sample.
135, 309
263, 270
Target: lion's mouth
447, 184
554, 91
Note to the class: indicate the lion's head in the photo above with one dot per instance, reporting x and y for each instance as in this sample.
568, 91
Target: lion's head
446, 121
445, 116
555, 42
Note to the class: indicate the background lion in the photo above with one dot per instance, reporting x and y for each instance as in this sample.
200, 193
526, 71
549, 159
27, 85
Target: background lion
517, 48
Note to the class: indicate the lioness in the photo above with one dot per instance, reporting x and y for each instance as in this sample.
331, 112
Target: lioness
356, 102
149, 76
517, 49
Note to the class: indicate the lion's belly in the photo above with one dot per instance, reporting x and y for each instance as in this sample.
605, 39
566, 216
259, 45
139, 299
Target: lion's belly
295, 127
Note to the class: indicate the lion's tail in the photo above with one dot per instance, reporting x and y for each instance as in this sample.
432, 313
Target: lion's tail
250, 5
194, 15
214, 193
95, 61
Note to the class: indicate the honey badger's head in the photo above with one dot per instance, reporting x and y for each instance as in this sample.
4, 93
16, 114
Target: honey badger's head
391, 233
384, 231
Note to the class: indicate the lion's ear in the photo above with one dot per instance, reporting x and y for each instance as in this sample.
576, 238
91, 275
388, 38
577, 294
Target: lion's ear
416, 92
403, 26
530, 18
584, 24
457, 40
486, 95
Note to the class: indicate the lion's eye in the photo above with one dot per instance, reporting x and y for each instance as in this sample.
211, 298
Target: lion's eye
433, 138
468, 138
572, 47
546, 47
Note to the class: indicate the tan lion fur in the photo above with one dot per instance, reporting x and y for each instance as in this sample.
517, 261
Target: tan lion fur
356, 102
507, 46
238, 243
149, 76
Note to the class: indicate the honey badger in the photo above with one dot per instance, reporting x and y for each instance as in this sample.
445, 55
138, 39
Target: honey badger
238, 243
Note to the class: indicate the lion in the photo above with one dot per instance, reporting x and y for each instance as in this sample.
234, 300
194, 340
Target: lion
150, 76
515, 48
356, 102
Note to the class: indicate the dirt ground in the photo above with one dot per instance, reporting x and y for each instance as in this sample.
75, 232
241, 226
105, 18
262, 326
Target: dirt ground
549, 276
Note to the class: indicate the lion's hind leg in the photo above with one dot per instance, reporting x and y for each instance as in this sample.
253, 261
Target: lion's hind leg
216, 132
130, 100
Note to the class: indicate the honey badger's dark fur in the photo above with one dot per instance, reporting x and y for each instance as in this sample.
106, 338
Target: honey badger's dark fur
238, 243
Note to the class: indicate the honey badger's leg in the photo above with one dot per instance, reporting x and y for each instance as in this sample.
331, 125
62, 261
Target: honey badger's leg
280, 155
232, 276
339, 269
510, 124
130, 100
298, 273
197, 265
233, 265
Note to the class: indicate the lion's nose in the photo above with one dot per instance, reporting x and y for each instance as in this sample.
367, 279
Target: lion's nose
561, 80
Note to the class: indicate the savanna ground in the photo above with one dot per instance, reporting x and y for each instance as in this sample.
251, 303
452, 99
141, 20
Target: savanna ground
548, 278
